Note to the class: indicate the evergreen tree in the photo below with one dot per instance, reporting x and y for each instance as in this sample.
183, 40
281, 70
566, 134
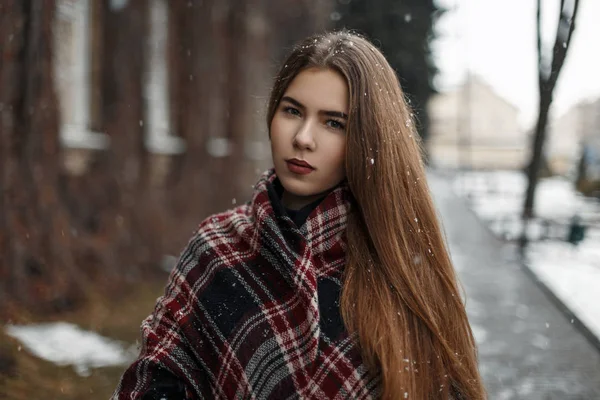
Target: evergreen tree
403, 30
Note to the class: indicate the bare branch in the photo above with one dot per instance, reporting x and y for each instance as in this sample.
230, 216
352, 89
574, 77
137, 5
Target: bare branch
539, 42
561, 46
572, 26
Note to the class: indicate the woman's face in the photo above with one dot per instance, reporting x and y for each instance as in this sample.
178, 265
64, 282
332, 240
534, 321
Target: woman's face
308, 140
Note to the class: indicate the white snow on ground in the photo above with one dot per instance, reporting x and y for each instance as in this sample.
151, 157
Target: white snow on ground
571, 273
66, 344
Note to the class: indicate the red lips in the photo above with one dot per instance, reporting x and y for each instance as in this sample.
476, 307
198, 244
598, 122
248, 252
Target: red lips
300, 163
299, 167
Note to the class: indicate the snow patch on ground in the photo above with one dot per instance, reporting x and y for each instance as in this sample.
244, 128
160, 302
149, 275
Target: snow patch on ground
572, 274
66, 344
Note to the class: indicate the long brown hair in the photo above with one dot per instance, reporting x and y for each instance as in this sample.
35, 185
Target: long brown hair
400, 293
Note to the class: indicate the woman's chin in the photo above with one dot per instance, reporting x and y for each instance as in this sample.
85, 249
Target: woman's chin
298, 188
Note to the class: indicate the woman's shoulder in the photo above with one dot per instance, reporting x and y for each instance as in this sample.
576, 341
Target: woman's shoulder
213, 236
217, 245
222, 222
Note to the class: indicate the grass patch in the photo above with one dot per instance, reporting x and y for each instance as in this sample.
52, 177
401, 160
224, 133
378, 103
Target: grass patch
29, 377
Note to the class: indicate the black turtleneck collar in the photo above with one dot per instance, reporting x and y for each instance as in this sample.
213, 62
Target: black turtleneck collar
298, 216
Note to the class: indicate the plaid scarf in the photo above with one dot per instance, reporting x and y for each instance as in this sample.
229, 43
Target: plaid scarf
251, 310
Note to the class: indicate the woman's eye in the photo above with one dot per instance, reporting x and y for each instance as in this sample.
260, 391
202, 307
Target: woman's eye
291, 110
334, 124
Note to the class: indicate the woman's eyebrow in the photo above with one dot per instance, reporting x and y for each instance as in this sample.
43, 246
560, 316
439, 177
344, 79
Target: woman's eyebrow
295, 102
337, 114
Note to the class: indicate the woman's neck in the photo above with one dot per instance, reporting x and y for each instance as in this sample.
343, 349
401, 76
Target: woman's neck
294, 202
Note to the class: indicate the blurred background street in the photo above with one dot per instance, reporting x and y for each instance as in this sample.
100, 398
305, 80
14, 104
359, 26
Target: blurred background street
528, 348
124, 123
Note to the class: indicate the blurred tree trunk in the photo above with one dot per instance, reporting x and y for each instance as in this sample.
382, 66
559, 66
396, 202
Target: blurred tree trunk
547, 78
97, 55
210, 97
37, 269
125, 165
193, 77
237, 125
293, 20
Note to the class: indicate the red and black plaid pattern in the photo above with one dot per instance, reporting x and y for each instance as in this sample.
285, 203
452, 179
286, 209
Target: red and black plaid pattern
251, 311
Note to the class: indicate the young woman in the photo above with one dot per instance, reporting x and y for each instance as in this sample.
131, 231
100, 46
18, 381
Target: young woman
334, 281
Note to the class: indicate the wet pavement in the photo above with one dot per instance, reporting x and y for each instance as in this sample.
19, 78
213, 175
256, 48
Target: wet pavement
528, 349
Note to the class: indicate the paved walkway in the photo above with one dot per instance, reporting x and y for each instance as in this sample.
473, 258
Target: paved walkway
528, 348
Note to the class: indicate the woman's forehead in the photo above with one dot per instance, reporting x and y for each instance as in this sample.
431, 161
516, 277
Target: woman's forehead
319, 88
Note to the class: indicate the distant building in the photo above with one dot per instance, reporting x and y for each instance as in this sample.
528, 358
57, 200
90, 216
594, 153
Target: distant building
573, 135
473, 127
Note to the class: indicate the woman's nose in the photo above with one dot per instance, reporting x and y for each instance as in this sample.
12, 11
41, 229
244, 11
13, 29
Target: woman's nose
304, 138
